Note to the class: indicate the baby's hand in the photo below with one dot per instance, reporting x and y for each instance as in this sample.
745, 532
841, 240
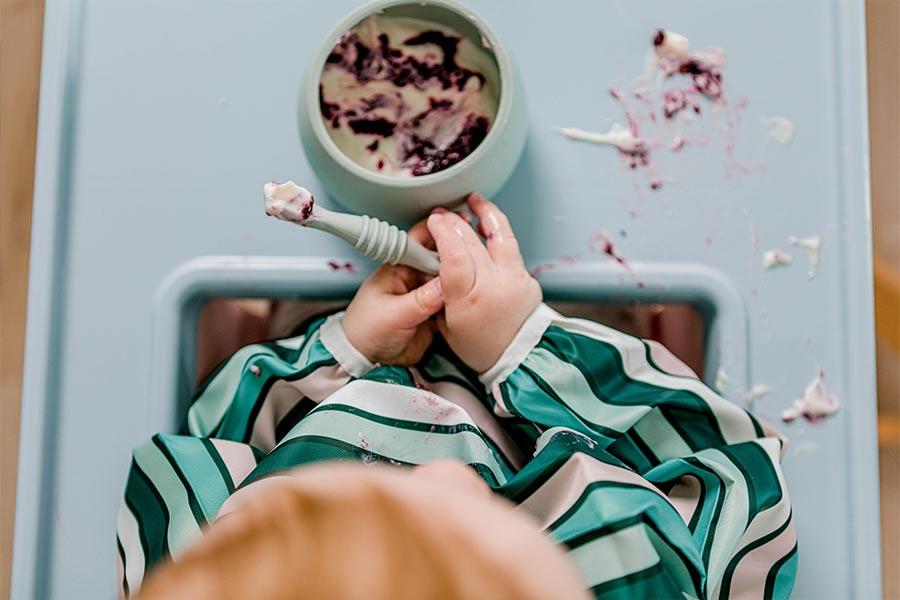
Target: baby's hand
388, 318
488, 293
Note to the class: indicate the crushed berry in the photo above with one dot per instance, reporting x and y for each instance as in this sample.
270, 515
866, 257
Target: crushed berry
432, 159
380, 127
330, 110
707, 78
415, 133
674, 101
659, 38
307, 209
386, 63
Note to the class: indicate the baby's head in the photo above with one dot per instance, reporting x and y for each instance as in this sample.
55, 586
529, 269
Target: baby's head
354, 531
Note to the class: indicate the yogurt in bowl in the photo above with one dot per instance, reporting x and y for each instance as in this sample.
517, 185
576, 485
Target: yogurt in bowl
411, 105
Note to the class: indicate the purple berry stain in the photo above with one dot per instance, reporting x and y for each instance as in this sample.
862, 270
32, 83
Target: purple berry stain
346, 266
416, 144
684, 81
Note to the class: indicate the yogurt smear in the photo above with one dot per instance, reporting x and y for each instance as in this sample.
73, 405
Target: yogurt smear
288, 202
816, 404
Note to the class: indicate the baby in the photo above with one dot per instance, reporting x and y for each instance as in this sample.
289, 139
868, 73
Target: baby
650, 484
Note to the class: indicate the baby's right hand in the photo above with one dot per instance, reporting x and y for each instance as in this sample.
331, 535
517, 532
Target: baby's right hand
488, 293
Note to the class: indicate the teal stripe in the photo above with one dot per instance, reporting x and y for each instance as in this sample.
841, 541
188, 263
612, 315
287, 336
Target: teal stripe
634, 452
204, 477
781, 577
209, 407
759, 473
390, 375
183, 525
680, 561
605, 502
603, 368
192, 500
309, 449
151, 514
234, 384
528, 395
687, 577
650, 583
252, 390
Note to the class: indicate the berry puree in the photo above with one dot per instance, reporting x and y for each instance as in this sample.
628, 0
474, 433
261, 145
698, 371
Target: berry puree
406, 97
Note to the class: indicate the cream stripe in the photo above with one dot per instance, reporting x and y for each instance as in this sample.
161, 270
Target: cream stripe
548, 435
284, 395
770, 519
399, 402
559, 493
735, 423
614, 556
573, 389
774, 516
480, 415
206, 412
386, 400
685, 497
293, 343
238, 459
280, 398
127, 530
183, 529
120, 575
728, 530
661, 437
667, 361
749, 578
308, 342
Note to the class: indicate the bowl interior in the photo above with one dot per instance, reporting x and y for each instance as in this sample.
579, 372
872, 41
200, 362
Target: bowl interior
441, 12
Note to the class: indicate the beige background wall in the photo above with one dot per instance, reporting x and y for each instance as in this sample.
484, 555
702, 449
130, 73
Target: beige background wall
20, 38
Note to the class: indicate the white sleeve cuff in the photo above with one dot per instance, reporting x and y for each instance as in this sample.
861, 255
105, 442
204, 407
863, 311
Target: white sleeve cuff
332, 336
526, 339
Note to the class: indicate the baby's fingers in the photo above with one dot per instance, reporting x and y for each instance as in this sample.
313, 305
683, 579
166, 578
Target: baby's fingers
457, 264
420, 233
422, 303
494, 226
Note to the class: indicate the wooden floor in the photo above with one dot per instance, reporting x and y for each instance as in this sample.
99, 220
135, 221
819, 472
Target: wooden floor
20, 38
20, 59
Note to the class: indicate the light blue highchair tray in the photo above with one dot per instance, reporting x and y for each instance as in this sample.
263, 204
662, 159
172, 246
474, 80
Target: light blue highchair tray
159, 121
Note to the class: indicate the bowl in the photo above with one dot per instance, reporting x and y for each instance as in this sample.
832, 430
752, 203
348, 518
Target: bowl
399, 199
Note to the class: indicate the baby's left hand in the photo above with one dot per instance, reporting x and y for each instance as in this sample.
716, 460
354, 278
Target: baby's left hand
388, 319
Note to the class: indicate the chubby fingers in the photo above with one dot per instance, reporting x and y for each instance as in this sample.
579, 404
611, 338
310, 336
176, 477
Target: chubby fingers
459, 261
422, 303
494, 226
420, 233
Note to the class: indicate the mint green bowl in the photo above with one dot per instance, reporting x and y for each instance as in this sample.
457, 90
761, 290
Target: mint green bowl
485, 170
